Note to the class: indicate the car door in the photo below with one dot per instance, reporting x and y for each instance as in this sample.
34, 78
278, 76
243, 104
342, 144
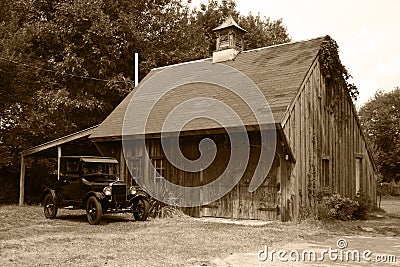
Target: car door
70, 182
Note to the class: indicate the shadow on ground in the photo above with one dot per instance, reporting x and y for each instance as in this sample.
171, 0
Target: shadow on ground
106, 219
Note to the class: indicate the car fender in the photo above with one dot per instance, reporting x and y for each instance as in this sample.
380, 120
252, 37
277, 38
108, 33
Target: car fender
139, 194
52, 192
100, 196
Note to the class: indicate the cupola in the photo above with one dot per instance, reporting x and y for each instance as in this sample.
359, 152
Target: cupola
229, 40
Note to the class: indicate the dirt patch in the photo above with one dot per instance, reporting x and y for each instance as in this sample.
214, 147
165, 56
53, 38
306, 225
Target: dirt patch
380, 235
384, 252
235, 222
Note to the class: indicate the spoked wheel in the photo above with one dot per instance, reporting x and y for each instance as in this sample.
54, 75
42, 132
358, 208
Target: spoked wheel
94, 211
142, 207
50, 208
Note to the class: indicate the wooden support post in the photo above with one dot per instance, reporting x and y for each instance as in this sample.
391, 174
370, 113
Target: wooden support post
58, 161
201, 193
122, 166
22, 182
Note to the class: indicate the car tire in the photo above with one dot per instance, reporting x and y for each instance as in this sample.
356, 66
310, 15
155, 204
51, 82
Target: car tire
49, 206
94, 211
142, 207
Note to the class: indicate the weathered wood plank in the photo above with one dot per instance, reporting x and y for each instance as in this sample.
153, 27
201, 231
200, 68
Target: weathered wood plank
302, 174
297, 148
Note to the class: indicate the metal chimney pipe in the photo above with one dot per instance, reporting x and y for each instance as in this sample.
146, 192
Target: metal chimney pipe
136, 69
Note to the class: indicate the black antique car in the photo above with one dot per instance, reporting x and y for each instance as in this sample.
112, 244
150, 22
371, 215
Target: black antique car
90, 183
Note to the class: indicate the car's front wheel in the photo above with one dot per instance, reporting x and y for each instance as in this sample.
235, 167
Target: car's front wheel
50, 208
141, 211
94, 210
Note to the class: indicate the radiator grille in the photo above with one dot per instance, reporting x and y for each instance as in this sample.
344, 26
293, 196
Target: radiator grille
119, 192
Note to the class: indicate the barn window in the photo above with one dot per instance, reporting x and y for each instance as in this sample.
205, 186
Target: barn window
358, 173
157, 158
159, 167
224, 41
325, 176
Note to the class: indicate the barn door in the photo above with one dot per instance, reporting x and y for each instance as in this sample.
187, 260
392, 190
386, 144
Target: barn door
265, 202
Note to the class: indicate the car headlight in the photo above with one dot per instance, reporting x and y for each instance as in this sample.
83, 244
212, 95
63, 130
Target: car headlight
107, 191
132, 190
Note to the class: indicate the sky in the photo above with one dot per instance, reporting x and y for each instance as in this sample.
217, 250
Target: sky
367, 32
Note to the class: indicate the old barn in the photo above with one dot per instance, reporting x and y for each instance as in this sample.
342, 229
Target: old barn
320, 145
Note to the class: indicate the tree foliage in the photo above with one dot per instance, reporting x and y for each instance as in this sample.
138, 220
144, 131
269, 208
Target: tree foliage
380, 118
65, 65
261, 31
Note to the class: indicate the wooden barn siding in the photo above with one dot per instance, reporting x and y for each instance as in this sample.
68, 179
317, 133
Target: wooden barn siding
315, 133
239, 203
261, 204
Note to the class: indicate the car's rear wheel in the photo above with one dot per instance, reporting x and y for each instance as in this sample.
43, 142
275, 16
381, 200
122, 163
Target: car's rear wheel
94, 210
50, 208
142, 207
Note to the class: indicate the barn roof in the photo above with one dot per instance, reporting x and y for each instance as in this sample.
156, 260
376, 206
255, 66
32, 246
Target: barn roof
278, 71
72, 144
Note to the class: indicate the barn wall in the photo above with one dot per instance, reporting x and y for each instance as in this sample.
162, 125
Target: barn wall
326, 143
268, 202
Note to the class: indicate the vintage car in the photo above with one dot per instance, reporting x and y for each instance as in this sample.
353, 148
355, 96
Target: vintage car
90, 183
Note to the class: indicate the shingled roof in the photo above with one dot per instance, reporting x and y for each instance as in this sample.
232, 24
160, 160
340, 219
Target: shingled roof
278, 71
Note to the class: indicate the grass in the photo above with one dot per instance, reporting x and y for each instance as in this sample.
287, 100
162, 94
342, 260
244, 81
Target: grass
28, 239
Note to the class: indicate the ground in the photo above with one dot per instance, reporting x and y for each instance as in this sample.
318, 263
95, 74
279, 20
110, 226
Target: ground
28, 239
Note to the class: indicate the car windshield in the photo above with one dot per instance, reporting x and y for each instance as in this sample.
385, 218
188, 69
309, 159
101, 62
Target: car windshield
96, 168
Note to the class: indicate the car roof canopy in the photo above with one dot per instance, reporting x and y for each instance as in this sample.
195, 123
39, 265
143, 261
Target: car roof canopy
92, 159
100, 160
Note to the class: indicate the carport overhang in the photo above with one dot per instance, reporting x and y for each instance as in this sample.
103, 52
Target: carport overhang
74, 144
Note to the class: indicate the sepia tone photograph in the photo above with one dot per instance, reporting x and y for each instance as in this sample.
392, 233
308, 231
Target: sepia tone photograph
199, 133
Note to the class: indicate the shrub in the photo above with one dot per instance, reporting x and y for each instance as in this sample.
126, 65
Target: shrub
9, 191
341, 208
322, 211
159, 209
364, 206
336, 207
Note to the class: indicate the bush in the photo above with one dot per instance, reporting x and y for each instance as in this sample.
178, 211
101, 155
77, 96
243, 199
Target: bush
364, 206
322, 211
159, 209
9, 192
336, 207
341, 208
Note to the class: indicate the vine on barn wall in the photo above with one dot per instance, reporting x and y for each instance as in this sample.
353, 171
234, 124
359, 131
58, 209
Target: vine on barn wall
334, 71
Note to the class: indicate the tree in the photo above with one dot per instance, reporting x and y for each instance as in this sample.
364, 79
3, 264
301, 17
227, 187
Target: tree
261, 31
65, 65
380, 118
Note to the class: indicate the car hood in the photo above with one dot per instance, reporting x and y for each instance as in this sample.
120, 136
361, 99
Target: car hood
100, 178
